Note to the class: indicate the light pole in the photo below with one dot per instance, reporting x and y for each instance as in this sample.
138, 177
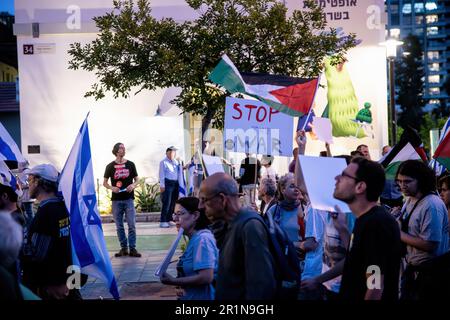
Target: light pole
391, 53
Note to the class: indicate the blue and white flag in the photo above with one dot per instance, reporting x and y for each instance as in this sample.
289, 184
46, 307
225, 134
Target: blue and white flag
8, 148
191, 173
181, 181
78, 188
6, 176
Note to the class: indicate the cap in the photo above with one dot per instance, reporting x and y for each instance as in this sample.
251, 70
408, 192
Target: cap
45, 171
171, 148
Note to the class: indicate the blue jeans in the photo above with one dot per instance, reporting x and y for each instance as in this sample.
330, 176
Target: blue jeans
168, 198
119, 209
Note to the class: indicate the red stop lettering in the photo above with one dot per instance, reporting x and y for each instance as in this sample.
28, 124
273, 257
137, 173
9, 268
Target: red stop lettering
258, 118
272, 111
236, 107
250, 107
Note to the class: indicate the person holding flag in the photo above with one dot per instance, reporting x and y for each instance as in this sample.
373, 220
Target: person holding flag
89, 252
124, 179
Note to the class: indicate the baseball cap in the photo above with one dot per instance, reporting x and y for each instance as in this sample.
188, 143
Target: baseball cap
45, 171
171, 148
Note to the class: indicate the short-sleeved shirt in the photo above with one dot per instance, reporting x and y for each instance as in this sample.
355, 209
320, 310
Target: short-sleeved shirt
334, 250
50, 246
201, 253
288, 222
429, 221
315, 228
122, 176
374, 245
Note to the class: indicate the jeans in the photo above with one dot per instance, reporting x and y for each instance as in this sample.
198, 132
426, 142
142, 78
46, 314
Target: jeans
119, 209
168, 198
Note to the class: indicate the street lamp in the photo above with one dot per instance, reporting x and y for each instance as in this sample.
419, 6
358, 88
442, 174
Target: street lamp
391, 53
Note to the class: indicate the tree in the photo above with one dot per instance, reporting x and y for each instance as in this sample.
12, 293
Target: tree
409, 80
134, 49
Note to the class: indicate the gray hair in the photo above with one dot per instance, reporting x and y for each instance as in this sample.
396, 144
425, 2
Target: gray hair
282, 184
269, 186
11, 238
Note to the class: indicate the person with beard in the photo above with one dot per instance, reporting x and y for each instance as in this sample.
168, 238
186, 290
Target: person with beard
372, 265
47, 252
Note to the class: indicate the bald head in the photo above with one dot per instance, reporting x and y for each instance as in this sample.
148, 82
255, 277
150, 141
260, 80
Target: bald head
219, 197
221, 182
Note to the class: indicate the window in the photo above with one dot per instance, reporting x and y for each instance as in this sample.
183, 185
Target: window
434, 91
434, 101
418, 7
431, 5
432, 18
419, 31
434, 79
433, 54
419, 20
433, 66
395, 19
395, 33
407, 19
432, 31
406, 8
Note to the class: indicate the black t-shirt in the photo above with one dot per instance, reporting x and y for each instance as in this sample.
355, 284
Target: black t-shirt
48, 251
375, 242
122, 176
249, 165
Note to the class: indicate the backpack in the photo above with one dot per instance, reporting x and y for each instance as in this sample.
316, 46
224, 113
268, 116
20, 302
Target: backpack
287, 263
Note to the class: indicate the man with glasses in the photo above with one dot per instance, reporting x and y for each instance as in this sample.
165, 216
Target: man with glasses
245, 262
371, 267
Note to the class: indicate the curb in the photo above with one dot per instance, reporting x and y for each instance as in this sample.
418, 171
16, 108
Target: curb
140, 217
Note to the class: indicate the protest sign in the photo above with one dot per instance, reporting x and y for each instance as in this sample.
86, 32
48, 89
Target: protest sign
253, 127
319, 174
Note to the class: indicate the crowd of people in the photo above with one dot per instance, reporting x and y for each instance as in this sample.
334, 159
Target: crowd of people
372, 252
238, 248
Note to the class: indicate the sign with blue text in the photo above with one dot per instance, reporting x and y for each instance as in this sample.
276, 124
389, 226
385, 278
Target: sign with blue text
253, 127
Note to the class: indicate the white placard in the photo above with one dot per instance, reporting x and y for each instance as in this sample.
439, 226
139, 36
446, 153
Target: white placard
165, 263
212, 164
253, 127
319, 174
322, 129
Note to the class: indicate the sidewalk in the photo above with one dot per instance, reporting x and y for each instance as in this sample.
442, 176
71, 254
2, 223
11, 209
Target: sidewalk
135, 276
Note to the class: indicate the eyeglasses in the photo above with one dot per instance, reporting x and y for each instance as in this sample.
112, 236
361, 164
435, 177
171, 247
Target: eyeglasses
405, 181
178, 214
345, 174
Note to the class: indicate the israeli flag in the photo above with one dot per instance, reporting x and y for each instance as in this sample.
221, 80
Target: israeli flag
8, 148
6, 176
181, 181
78, 188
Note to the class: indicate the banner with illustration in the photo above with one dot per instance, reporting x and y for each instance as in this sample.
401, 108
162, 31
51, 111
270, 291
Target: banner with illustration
353, 95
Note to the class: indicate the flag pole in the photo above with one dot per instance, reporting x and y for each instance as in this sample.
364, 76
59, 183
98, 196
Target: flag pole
307, 118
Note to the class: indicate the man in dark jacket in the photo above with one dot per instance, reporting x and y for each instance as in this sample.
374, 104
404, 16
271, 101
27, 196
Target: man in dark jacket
246, 267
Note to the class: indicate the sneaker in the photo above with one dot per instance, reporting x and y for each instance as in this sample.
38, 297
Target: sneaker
172, 224
134, 253
164, 225
123, 252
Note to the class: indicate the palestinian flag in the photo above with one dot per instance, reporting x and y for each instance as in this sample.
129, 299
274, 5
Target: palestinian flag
397, 156
442, 153
290, 95
436, 165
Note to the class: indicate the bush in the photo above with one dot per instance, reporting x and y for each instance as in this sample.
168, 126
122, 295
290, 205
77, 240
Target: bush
147, 197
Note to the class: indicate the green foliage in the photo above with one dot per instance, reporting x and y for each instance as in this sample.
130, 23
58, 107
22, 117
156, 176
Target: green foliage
430, 122
104, 201
135, 49
147, 197
409, 75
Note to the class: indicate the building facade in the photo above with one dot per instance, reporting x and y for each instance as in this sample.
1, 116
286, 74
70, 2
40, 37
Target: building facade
429, 20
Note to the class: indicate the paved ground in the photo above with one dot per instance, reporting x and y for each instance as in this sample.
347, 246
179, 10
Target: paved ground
135, 276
